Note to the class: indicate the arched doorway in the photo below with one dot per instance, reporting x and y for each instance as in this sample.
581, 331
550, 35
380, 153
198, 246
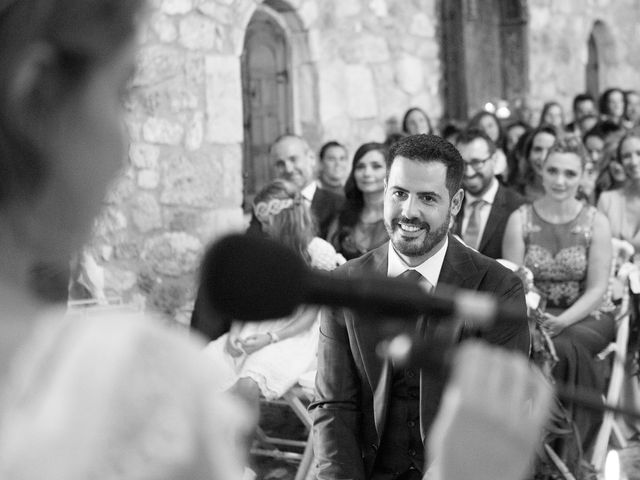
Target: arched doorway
592, 73
601, 58
267, 102
485, 53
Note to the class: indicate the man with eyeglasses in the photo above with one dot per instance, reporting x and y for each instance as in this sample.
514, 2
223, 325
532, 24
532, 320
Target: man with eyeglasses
487, 204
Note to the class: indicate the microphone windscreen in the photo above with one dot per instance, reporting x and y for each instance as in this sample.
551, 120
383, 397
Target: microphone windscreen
253, 278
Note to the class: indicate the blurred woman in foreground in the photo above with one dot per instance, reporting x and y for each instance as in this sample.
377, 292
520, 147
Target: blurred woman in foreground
93, 397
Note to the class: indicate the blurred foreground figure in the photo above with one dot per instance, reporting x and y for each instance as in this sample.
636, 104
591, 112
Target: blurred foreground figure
491, 418
99, 398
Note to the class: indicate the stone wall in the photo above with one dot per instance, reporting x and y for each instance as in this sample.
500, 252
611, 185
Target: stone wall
182, 185
559, 33
356, 64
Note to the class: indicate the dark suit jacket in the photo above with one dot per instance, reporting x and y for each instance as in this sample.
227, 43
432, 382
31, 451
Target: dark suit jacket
505, 203
353, 383
324, 207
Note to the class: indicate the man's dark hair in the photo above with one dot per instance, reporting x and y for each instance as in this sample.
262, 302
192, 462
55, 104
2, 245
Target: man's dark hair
327, 146
430, 148
582, 97
469, 135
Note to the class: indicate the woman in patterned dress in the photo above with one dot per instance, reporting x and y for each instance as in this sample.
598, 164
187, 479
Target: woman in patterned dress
567, 245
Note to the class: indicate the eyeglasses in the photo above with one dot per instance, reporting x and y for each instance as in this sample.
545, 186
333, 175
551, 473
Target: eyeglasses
477, 163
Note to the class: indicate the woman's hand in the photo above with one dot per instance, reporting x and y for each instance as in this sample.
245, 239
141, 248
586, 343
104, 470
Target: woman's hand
233, 346
255, 342
553, 325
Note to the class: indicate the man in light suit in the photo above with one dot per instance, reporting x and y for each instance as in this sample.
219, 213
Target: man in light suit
371, 418
487, 204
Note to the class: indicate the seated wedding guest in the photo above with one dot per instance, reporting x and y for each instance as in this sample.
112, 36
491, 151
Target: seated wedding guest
631, 108
611, 105
552, 114
450, 132
588, 122
583, 106
487, 204
513, 133
622, 206
490, 124
416, 121
293, 160
567, 246
535, 147
334, 167
268, 357
359, 227
611, 174
109, 395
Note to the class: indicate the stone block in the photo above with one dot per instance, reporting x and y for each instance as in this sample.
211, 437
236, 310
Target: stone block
198, 32
157, 63
172, 253
195, 132
143, 155
365, 48
111, 220
361, 95
194, 69
224, 100
308, 12
331, 88
163, 131
177, 7
344, 9
164, 28
146, 213
410, 74
220, 13
119, 279
422, 26
148, 179
221, 221
120, 191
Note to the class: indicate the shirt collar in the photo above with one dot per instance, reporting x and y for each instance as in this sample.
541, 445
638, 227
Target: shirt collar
489, 196
429, 269
309, 191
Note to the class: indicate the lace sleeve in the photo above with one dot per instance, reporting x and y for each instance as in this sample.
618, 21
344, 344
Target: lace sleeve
116, 399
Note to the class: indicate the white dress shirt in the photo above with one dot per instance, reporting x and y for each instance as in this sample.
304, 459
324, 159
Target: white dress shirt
429, 269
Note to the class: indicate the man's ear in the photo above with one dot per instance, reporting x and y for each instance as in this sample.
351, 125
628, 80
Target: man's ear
456, 202
35, 89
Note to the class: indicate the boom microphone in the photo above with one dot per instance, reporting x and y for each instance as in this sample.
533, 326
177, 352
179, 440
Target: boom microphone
252, 278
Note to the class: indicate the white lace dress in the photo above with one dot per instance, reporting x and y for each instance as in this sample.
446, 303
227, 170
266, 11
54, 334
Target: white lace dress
276, 367
114, 397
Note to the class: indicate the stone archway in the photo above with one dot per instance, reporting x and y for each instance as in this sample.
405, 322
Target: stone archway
279, 87
485, 53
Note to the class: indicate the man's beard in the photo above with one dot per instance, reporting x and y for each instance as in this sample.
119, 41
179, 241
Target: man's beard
413, 248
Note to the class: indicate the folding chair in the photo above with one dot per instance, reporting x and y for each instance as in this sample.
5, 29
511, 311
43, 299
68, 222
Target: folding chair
618, 351
296, 398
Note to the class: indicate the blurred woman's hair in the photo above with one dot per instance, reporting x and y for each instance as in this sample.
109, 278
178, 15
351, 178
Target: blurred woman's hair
405, 119
570, 144
80, 34
292, 224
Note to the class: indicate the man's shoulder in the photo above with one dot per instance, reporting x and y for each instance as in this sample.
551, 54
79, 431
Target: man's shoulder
492, 267
327, 196
369, 262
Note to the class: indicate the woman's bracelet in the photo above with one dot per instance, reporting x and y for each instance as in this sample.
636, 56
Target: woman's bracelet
274, 337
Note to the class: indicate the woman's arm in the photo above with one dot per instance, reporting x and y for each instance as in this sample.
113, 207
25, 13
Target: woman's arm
302, 320
598, 274
513, 242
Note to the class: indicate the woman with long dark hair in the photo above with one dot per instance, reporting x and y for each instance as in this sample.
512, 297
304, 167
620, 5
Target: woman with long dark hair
360, 226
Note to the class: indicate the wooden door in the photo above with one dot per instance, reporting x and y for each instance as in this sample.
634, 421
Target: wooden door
266, 98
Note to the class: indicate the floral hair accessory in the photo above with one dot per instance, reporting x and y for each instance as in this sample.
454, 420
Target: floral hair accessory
264, 210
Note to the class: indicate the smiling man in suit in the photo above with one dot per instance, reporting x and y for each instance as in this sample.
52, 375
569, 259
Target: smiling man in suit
370, 417
487, 204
